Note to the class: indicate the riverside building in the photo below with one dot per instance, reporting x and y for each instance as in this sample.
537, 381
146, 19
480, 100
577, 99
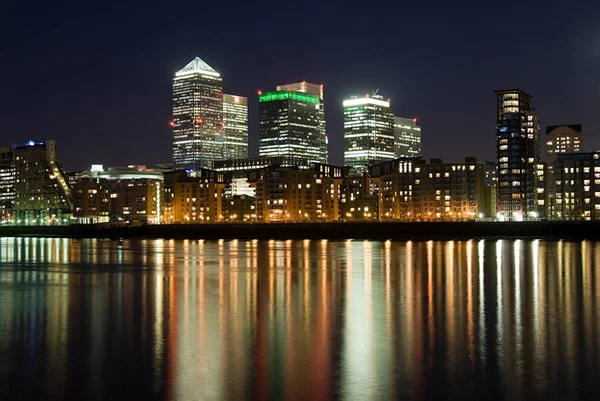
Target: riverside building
517, 146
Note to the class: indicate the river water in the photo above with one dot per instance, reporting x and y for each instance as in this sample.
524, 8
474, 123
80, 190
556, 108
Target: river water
299, 320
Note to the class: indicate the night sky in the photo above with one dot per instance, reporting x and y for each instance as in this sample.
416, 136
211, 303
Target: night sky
98, 78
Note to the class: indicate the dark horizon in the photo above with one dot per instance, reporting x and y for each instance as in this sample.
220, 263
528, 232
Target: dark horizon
99, 81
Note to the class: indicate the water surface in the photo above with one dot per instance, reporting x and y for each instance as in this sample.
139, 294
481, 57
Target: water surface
299, 320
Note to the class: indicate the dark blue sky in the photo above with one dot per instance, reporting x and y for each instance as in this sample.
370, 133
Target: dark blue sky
97, 77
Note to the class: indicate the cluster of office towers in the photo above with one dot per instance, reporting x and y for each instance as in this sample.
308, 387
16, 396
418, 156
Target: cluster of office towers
384, 177
210, 126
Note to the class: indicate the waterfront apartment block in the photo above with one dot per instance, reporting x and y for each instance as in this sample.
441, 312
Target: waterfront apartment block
118, 194
42, 192
197, 116
292, 194
407, 137
517, 146
235, 129
369, 135
577, 186
7, 185
413, 190
193, 197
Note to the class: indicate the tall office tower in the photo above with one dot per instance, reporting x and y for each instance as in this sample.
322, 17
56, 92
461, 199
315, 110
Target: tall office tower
313, 89
368, 132
407, 137
197, 116
7, 185
563, 139
289, 125
517, 141
42, 193
235, 131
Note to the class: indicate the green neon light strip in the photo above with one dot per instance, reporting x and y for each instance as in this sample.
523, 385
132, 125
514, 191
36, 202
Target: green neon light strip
284, 95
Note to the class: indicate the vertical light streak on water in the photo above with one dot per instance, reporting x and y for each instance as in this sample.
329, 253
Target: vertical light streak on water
159, 342
499, 305
470, 308
430, 317
358, 372
482, 326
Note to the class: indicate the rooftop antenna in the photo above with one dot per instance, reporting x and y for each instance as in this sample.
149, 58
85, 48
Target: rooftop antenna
376, 92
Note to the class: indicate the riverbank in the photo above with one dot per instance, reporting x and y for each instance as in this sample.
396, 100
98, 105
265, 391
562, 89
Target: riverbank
333, 231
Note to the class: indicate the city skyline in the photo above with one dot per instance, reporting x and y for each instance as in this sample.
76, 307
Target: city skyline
119, 93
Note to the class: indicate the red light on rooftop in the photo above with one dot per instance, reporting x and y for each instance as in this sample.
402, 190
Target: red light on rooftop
260, 92
172, 123
389, 100
415, 120
368, 95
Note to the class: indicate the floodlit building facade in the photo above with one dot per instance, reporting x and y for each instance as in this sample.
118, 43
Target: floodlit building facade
193, 197
407, 137
290, 125
517, 146
413, 190
42, 193
292, 194
235, 130
7, 185
197, 116
313, 89
369, 135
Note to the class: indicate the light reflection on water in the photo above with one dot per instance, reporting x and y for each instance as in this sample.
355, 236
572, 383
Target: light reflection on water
164, 319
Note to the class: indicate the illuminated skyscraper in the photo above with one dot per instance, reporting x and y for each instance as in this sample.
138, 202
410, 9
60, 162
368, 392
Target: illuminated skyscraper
313, 89
289, 125
197, 116
407, 137
368, 132
518, 151
235, 131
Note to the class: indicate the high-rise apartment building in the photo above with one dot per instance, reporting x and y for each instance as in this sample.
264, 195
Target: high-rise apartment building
313, 89
407, 137
563, 139
235, 130
7, 185
42, 192
197, 116
289, 125
368, 132
517, 146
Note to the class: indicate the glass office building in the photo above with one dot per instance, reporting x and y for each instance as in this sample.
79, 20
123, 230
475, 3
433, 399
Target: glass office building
313, 89
407, 137
289, 125
235, 130
368, 132
197, 116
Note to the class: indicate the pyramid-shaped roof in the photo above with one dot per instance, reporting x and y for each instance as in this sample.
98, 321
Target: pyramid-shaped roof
197, 66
